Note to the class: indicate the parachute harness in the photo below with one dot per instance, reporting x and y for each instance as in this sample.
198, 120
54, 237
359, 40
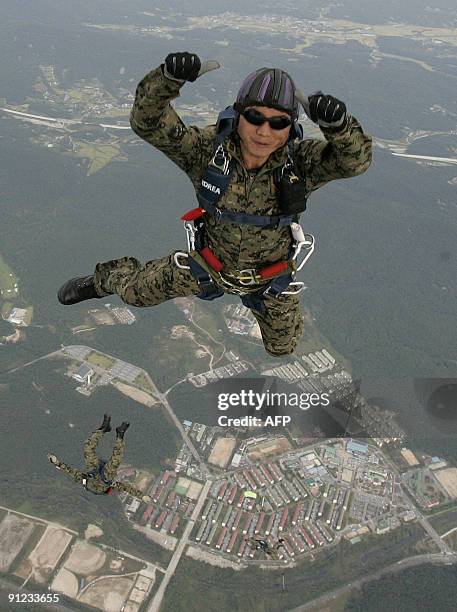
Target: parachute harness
214, 184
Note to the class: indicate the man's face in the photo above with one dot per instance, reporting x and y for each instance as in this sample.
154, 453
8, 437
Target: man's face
259, 141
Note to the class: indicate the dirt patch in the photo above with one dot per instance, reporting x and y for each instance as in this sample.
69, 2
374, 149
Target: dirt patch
276, 446
139, 396
93, 531
448, 480
222, 451
66, 582
14, 533
85, 559
107, 594
45, 556
207, 557
162, 539
194, 490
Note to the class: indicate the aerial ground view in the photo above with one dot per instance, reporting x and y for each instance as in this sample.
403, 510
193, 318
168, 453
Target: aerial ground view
221, 386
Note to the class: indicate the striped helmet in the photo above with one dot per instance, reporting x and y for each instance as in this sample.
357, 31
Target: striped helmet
271, 87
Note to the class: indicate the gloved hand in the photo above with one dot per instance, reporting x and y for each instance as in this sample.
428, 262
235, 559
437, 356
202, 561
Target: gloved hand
182, 67
328, 112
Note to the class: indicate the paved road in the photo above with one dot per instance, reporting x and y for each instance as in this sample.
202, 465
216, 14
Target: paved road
320, 602
155, 604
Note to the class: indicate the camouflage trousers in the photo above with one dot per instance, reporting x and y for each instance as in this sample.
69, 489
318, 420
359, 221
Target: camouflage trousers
92, 461
156, 281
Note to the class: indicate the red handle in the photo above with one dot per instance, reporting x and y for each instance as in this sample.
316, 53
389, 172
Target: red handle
211, 259
273, 269
193, 214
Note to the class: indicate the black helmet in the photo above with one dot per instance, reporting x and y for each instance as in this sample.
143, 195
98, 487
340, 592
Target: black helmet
271, 87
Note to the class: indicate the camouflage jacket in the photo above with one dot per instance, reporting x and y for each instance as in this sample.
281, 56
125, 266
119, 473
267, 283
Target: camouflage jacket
341, 155
96, 484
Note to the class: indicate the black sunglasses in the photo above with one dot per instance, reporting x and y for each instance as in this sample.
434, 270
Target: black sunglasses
254, 117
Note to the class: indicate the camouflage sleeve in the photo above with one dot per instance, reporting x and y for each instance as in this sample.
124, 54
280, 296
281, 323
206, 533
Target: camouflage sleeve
125, 487
155, 121
75, 474
341, 155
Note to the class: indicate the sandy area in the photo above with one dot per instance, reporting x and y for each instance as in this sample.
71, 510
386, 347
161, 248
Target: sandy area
208, 557
269, 447
222, 451
66, 582
45, 556
448, 480
139, 396
85, 558
107, 594
92, 531
14, 533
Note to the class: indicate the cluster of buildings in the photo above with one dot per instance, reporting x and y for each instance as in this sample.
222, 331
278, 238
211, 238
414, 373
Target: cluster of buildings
239, 319
173, 500
235, 367
18, 316
312, 363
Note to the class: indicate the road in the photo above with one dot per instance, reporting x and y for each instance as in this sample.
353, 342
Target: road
320, 602
58, 122
24, 365
163, 399
155, 604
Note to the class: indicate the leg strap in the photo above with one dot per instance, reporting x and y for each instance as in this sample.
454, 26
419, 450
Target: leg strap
209, 289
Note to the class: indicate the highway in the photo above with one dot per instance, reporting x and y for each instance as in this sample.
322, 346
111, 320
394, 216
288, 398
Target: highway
155, 604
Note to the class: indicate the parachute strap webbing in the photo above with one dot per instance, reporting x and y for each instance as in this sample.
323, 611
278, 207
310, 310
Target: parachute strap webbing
256, 301
209, 289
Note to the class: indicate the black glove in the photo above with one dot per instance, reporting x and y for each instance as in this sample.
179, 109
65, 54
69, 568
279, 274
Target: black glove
182, 66
328, 112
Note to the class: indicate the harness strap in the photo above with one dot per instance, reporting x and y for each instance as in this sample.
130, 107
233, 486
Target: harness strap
256, 301
272, 221
209, 289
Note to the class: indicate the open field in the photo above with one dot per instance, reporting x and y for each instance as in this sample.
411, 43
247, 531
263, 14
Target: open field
222, 451
103, 361
276, 446
139, 396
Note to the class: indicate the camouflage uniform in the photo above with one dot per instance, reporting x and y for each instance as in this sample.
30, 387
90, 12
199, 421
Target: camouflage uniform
96, 482
238, 247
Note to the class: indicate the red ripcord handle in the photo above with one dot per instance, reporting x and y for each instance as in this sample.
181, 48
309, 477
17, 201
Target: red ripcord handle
211, 259
273, 269
193, 214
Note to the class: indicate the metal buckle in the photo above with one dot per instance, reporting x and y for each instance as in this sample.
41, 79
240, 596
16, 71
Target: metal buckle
234, 289
181, 254
251, 277
190, 234
224, 165
217, 214
300, 285
301, 241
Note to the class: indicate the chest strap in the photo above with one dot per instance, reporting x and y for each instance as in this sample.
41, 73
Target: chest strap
215, 182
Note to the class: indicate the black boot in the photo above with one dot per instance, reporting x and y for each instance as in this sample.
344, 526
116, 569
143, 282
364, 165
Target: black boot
76, 290
120, 431
105, 427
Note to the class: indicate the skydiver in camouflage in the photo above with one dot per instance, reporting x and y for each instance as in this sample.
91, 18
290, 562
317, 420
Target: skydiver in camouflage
271, 551
99, 477
264, 140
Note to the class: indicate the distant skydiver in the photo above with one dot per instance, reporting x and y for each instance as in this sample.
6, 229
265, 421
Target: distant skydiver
270, 551
252, 173
99, 476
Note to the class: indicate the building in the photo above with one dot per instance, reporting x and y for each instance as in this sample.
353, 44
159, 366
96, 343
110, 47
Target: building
84, 373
